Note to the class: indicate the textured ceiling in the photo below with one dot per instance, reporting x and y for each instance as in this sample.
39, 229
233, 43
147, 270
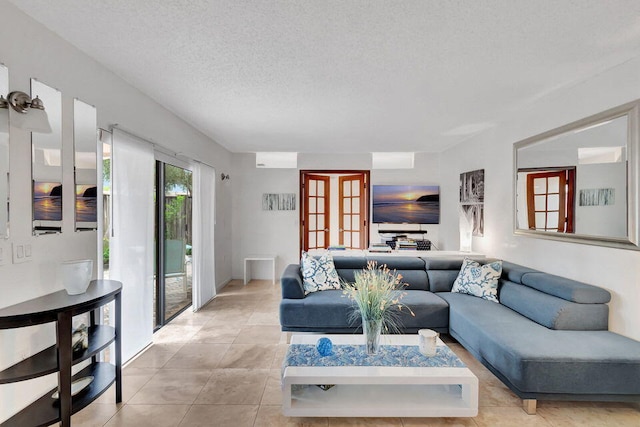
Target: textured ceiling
346, 76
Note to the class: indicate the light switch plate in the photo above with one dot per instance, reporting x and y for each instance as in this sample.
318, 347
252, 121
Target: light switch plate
21, 252
5, 254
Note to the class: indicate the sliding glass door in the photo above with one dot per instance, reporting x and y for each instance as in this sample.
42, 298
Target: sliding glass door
173, 287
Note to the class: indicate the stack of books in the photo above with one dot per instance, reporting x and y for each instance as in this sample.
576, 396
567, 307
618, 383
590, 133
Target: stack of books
406, 245
379, 247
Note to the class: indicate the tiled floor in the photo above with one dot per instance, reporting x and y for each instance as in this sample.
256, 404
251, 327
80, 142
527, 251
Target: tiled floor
221, 366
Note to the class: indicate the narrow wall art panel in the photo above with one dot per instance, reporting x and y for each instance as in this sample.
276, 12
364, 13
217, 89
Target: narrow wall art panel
472, 199
279, 202
597, 197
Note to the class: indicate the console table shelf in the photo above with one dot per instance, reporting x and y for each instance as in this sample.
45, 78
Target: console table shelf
59, 307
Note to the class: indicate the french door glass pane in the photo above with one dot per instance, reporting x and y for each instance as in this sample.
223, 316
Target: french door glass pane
177, 240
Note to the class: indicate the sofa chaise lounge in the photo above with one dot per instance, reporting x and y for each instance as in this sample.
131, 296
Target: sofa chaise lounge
547, 339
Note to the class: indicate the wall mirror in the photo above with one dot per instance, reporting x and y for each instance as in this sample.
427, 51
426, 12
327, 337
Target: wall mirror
4, 155
46, 164
579, 182
85, 140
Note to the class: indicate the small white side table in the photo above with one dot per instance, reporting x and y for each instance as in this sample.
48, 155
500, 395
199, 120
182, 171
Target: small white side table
247, 270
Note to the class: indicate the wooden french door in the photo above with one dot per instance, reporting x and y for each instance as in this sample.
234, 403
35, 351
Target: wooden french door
352, 211
315, 224
550, 198
337, 215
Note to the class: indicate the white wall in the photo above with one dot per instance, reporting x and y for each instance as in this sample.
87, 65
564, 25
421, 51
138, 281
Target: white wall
30, 50
614, 269
277, 232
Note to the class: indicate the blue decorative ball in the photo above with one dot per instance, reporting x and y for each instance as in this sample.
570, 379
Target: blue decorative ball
324, 347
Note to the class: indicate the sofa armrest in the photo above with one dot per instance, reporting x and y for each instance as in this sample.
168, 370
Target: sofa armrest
291, 281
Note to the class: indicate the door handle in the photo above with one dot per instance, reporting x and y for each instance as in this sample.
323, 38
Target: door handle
326, 230
341, 230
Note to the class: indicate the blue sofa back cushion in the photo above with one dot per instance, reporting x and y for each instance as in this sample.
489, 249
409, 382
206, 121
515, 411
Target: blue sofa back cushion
412, 269
567, 289
553, 312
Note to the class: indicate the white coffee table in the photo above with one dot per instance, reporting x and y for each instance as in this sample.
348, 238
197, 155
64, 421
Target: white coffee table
377, 391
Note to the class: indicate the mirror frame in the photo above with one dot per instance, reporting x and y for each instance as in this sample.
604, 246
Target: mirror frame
84, 116
632, 111
5, 164
53, 106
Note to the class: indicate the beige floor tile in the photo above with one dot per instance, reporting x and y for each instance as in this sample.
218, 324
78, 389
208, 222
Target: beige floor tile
148, 416
234, 317
192, 319
94, 415
259, 334
173, 387
220, 416
437, 422
508, 417
362, 422
497, 394
214, 333
197, 356
258, 356
175, 333
234, 386
281, 352
264, 318
271, 416
156, 356
273, 391
133, 379
591, 416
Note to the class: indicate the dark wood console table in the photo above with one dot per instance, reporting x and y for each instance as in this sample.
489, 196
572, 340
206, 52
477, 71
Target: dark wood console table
60, 307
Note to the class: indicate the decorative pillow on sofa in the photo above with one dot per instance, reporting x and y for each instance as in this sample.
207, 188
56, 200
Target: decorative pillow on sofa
478, 280
319, 274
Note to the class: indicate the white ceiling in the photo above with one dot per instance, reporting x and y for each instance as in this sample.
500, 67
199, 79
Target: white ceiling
346, 75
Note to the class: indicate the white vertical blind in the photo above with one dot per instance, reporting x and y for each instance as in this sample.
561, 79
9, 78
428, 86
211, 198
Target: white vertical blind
131, 246
204, 276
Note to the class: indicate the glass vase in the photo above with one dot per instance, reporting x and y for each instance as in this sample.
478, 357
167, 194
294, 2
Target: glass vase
371, 329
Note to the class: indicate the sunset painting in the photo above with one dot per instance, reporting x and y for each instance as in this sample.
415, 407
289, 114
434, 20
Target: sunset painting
86, 203
47, 201
406, 204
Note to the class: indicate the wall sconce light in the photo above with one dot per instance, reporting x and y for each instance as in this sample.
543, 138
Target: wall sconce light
223, 176
26, 113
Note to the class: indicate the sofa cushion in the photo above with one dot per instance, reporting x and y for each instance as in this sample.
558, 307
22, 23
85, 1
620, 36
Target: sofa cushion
535, 359
570, 290
319, 274
347, 267
514, 272
478, 280
330, 310
414, 276
318, 311
551, 311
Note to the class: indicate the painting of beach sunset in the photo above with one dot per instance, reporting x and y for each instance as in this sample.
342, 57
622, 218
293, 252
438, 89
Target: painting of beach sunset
406, 204
47, 201
86, 203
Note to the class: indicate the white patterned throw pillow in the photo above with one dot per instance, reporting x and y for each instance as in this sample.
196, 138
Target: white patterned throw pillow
479, 280
319, 274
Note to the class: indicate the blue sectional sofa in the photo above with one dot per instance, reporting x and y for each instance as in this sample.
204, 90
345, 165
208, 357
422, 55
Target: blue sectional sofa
547, 339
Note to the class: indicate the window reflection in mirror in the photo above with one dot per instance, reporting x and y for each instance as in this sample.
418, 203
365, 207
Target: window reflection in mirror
4, 155
86, 176
47, 163
599, 158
